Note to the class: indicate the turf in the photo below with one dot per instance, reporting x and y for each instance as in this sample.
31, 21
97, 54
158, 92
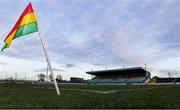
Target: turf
82, 96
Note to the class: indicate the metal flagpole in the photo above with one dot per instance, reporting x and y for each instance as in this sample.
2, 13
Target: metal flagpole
47, 57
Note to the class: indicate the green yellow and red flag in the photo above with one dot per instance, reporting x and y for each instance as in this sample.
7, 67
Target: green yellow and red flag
26, 24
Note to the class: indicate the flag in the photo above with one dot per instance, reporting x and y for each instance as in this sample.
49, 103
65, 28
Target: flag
26, 24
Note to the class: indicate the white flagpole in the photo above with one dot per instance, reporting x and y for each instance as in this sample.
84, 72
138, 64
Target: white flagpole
47, 57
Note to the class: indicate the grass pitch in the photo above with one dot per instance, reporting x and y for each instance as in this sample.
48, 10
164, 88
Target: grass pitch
89, 96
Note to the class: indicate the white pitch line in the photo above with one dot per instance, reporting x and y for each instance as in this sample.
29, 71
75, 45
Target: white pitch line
93, 91
115, 91
108, 91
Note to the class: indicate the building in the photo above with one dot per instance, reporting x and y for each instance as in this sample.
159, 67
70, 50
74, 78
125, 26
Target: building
165, 80
125, 75
76, 80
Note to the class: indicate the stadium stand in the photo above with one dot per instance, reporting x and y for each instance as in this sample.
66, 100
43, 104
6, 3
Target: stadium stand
125, 75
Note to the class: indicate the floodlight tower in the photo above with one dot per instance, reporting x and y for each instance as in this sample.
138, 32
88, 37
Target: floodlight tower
145, 66
47, 73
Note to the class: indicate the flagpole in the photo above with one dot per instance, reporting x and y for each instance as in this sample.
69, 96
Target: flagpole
47, 57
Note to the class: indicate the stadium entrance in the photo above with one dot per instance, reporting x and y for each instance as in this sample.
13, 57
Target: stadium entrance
125, 75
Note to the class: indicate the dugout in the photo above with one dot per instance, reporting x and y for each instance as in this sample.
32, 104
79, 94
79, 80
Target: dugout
125, 75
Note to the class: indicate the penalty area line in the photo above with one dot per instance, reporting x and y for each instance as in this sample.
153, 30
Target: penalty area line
93, 91
115, 91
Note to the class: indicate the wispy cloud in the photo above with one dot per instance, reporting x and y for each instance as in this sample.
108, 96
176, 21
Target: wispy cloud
4, 63
70, 65
98, 32
45, 69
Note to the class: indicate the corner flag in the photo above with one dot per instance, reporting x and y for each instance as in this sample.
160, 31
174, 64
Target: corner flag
26, 24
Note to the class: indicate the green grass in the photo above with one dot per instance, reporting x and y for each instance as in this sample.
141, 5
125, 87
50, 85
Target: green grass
44, 96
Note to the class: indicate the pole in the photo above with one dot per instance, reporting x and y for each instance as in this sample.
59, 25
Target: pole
48, 61
16, 76
47, 57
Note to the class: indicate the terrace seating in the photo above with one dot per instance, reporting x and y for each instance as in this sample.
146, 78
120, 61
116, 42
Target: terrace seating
118, 80
136, 80
110, 80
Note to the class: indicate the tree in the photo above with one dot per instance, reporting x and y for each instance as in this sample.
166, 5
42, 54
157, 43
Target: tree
41, 77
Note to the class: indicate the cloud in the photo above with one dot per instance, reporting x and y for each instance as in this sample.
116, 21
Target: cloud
97, 64
95, 32
70, 65
45, 70
4, 63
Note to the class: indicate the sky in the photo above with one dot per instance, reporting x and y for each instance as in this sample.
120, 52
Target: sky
85, 35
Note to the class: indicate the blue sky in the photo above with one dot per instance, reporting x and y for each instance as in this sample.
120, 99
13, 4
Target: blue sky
81, 35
